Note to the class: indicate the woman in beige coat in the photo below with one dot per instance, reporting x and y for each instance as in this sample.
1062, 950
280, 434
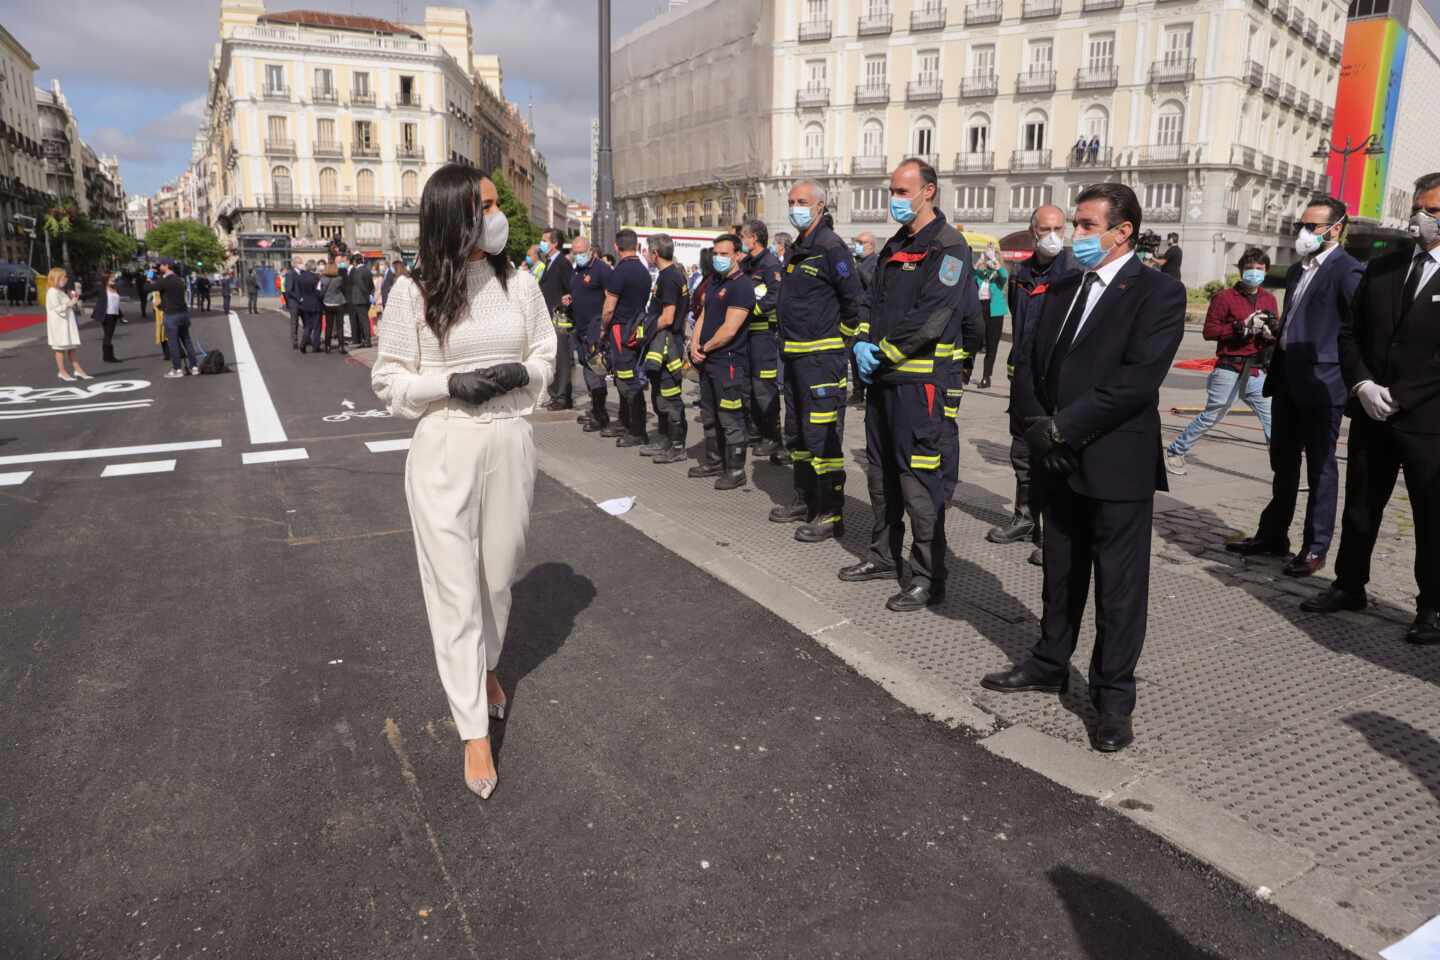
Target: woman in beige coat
60, 327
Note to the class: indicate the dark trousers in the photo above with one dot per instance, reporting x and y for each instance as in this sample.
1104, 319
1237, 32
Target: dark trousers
1377, 454
857, 386
765, 378
254, 305
335, 325
1020, 463
815, 388
1113, 537
311, 319
904, 435
994, 326
723, 382
295, 322
225, 303
630, 381
108, 345
594, 382
950, 432
561, 390
359, 323
1312, 430
177, 332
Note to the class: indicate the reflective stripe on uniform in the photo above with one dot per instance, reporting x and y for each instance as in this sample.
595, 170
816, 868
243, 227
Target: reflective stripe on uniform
825, 465
916, 366
759, 326
944, 351
796, 456
952, 412
920, 462
675, 364
838, 384
730, 404
769, 374
824, 416
668, 392
849, 331
657, 357
892, 352
625, 374
814, 346
564, 325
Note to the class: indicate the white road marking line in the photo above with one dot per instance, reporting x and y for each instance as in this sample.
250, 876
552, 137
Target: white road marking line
83, 408
274, 456
14, 479
109, 452
260, 413
387, 446
144, 466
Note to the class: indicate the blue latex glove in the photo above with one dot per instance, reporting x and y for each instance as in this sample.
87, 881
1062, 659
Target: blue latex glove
867, 359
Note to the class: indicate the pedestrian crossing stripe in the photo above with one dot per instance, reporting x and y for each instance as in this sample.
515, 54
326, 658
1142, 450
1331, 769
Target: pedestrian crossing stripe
15, 479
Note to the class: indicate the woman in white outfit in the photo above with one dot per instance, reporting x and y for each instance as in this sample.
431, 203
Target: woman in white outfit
467, 347
60, 326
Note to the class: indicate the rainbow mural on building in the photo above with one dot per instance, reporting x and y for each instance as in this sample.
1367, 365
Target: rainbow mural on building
1366, 101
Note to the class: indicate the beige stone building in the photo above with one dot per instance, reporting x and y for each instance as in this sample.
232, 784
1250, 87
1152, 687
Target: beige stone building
1210, 109
22, 157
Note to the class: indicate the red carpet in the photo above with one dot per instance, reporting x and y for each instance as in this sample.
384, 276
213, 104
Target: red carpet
20, 321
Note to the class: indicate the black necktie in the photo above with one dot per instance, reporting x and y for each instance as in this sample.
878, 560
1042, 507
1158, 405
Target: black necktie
1066, 339
1412, 282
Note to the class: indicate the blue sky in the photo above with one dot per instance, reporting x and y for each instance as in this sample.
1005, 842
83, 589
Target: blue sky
136, 77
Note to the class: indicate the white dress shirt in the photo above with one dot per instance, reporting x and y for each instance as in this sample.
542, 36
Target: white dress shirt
1308, 268
1427, 270
1103, 278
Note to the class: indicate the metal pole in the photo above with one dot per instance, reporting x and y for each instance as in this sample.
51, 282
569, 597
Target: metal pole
603, 234
1344, 166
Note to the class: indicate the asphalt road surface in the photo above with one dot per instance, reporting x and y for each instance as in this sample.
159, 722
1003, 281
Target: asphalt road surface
223, 734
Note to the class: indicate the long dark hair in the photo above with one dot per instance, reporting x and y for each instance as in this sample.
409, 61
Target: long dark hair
452, 213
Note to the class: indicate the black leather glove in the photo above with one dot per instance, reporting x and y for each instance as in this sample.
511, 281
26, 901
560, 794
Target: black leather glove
474, 386
508, 376
1061, 461
1041, 437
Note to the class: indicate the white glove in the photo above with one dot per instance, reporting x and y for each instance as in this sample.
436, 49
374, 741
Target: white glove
1376, 400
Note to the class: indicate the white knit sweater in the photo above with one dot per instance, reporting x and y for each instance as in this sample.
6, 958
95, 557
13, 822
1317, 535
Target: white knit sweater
412, 370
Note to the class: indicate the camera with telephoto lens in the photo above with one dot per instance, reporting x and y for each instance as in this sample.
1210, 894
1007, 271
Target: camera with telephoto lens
1147, 243
1262, 323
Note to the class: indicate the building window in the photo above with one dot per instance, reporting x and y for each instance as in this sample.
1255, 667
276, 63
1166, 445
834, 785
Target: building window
324, 81
289, 229
814, 141
927, 66
982, 61
360, 84
409, 136
368, 231
817, 10
974, 197
1170, 124
977, 134
1025, 197
329, 184
407, 230
325, 131
331, 231
1095, 123
281, 184
875, 71
872, 139
1177, 43
409, 97
924, 137
1163, 196
274, 78
275, 129
410, 186
1040, 57
869, 198
364, 134
816, 74
1100, 52
1035, 134
365, 186
1369, 8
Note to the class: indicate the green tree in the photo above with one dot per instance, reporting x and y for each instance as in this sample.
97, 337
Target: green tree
523, 234
57, 224
187, 241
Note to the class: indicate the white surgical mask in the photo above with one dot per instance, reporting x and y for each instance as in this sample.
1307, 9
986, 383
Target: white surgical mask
1051, 244
496, 232
1307, 242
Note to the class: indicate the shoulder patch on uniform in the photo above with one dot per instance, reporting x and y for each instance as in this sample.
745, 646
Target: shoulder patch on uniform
842, 267
951, 269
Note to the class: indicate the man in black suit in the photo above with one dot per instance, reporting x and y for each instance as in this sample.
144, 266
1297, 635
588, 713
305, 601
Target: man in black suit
309, 304
554, 285
252, 290
1088, 387
1307, 391
359, 286
291, 289
1390, 356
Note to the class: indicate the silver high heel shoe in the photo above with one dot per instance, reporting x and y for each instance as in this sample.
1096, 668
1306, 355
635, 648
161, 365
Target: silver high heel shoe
482, 787
497, 710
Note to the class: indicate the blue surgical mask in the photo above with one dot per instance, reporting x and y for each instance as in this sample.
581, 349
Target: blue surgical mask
545, 246
529, 260
801, 217
582, 259
901, 209
1253, 278
722, 265
858, 249
1088, 251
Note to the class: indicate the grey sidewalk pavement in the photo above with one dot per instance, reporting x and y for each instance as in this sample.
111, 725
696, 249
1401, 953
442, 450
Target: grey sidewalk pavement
1295, 752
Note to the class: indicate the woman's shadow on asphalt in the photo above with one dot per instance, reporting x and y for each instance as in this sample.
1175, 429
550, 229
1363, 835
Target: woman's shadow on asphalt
546, 602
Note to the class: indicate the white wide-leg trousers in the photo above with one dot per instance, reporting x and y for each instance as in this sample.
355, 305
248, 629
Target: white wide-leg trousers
470, 485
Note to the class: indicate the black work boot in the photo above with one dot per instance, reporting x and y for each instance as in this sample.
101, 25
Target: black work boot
662, 441
802, 508
734, 475
711, 465
829, 521
1020, 527
675, 450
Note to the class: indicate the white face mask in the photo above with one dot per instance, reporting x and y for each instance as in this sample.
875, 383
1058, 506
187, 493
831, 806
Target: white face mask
1051, 244
496, 232
1307, 242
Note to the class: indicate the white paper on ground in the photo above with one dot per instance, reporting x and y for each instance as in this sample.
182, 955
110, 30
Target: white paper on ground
617, 506
1423, 944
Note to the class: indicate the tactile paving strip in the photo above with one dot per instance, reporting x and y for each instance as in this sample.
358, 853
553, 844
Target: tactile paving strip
1243, 697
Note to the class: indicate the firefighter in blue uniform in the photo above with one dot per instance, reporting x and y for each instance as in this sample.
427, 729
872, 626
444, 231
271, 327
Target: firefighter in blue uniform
664, 358
820, 298
627, 292
763, 269
586, 303
916, 306
720, 348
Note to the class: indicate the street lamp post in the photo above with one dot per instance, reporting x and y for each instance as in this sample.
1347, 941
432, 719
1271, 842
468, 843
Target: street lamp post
1371, 147
603, 226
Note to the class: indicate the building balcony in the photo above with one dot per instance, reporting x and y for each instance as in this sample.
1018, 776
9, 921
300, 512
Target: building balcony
410, 153
1246, 157
976, 162
1172, 70
814, 30
930, 17
1282, 170
1302, 102
1317, 109
1329, 117
277, 93
362, 98
1162, 215
1036, 9
1102, 158
931, 158
1287, 94
365, 151
869, 216
810, 166
1254, 73
1266, 164
868, 166
872, 93
966, 215
1312, 31
1262, 4
1166, 155
875, 25
1097, 78
1096, 6
1030, 160
1281, 10
1296, 23
278, 201
328, 148
1335, 49
324, 96
979, 86
280, 148
411, 102
1272, 86
1232, 218
1035, 81
812, 97
924, 90
981, 12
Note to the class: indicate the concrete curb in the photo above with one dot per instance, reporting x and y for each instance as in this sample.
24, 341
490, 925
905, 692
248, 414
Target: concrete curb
1272, 870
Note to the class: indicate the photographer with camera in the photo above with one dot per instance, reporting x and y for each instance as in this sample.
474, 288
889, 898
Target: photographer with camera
1242, 321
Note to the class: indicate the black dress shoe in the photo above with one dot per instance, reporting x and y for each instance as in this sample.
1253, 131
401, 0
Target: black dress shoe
1113, 733
867, 570
1303, 564
914, 597
985, 383
1334, 599
1254, 547
820, 530
706, 470
1425, 631
590, 426
1021, 679
1019, 528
